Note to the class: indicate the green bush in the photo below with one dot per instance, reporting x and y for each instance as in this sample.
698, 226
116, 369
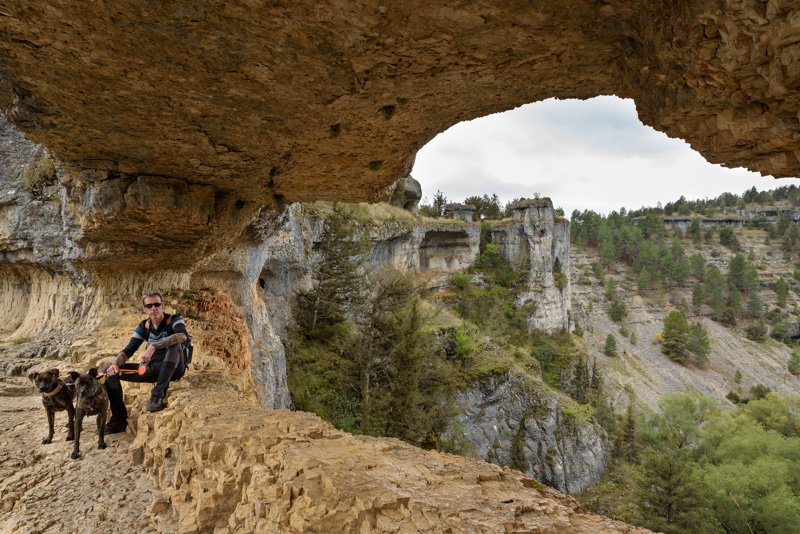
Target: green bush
459, 280
40, 176
794, 364
610, 347
756, 331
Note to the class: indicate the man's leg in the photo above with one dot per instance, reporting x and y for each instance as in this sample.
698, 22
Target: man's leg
171, 368
119, 413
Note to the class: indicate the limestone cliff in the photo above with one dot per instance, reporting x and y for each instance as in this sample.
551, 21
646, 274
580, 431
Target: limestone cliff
513, 420
536, 243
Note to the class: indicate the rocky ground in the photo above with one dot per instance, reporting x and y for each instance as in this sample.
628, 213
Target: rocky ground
43, 490
217, 461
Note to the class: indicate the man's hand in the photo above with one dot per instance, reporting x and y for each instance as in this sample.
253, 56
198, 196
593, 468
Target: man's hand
148, 354
113, 369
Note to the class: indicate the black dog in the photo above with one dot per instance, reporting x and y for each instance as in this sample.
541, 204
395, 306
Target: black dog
57, 396
92, 400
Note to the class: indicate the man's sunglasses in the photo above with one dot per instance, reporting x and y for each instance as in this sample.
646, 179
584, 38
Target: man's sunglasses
156, 304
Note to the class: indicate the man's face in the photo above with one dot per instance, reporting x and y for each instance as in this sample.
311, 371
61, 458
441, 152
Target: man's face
156, 309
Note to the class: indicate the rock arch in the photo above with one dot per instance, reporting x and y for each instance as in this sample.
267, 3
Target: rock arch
302, 101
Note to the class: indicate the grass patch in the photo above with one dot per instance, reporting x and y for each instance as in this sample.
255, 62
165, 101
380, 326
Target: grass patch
21, 340
40, 176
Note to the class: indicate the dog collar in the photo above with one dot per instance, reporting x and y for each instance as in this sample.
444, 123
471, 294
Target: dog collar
55, 391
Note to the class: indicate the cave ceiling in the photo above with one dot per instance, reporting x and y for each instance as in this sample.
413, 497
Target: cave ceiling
331, 100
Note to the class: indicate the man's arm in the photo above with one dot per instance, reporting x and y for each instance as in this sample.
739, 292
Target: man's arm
174, 339
133, 345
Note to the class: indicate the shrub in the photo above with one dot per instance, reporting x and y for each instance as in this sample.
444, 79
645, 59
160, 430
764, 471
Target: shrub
459, 280
617, 311
39, 176
780, 331
759, 391
756, 331
610, 347
794, 364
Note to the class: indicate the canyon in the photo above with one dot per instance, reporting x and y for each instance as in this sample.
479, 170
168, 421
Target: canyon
151, 145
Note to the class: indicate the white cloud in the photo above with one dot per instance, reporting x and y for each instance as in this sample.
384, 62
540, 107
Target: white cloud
592, 154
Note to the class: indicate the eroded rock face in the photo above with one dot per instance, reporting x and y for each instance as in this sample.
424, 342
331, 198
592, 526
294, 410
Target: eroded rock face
513, 420
236, 106
536, 243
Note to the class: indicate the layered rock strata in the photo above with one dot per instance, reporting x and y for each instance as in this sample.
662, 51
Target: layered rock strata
236, 106
536, 243
513, 420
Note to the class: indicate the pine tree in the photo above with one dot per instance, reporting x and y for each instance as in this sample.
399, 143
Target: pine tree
716, 300
611, 289
610, 348
671, 492
617, 311
735, 301
781, 291
599, 273
675, 337
791, 239
753, 305
643, 282
597, 378
581, 382
681, 272
439, 202
699, 343
694, 230
391, 366
698, 295
338, 275
697, 266
629, 448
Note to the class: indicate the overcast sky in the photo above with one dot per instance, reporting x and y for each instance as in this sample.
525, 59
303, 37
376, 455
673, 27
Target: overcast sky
592, 154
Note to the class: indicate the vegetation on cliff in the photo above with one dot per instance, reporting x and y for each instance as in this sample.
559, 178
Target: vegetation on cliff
372, 356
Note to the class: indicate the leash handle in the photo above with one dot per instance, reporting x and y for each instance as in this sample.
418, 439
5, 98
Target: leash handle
121, 371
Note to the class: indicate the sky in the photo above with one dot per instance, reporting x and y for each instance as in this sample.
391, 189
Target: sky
583, 154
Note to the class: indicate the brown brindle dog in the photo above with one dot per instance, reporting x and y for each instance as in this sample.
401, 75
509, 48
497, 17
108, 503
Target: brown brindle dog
92, 400
57, 396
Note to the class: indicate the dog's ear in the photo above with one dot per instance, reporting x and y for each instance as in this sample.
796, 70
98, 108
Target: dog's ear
93, 372
33, 376
74, 375
53, 371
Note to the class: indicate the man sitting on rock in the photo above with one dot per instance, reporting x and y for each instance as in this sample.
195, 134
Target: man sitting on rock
165, 335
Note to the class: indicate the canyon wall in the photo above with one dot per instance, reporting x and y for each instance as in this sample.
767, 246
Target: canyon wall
514, 420
536, 243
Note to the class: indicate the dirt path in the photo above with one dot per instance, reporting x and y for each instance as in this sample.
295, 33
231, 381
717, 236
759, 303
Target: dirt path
42, 490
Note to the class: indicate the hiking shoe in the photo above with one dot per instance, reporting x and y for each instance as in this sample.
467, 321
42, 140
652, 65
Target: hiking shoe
115, 426
156, 404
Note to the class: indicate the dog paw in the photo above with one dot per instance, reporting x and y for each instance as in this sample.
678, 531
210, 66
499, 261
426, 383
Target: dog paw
70, 438
101, 446
75, 455
45, 441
